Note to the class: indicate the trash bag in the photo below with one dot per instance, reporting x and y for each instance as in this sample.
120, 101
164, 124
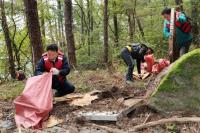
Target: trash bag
158, 67
35, 103
149, 59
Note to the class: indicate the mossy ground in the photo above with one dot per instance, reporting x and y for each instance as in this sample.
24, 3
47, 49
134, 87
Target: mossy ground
180, 88
11, 89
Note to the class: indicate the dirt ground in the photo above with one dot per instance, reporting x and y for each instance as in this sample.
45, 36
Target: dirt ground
112, 89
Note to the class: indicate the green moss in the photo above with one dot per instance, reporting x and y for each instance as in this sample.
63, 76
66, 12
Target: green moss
184, 69
180, 88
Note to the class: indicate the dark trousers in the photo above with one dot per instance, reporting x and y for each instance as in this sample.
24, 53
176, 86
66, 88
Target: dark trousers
181, 50
128, 59
185, 48
63, 87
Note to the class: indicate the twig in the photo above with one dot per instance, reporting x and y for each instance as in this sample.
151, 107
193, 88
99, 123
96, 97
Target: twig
147, 118
110, 130
163, 121
19, 130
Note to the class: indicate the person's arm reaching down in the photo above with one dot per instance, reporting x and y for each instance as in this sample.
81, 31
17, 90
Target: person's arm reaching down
139, 66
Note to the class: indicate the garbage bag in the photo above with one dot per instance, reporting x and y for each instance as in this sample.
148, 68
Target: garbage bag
158, 67
35, 103
149, 59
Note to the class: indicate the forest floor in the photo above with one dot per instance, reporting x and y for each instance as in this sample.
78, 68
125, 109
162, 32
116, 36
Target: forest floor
111, 91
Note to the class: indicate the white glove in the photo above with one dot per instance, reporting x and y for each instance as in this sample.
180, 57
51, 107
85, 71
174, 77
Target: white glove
55, 71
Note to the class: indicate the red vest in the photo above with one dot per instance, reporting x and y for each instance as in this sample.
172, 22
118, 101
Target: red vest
184, 27
49, 64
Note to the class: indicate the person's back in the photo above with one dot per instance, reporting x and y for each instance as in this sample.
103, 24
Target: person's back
133, 52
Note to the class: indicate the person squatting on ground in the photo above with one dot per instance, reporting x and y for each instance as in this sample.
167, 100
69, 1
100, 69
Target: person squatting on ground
55, 61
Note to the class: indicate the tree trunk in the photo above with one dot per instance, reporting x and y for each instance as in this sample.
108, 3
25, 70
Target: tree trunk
105, 31
7, 40
82, 22
133, 15
173, 50
60, 24
140, 28
69, 33
42, 22
51, 31
33, 29
89, 21
130, 24
195, 22
115, 22
116, 35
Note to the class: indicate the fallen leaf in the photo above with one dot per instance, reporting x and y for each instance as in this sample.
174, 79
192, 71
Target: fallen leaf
143, 74
131, 102
52, 121
85, 100
68, 98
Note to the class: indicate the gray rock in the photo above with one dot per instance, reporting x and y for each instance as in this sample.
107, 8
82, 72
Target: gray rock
8, 124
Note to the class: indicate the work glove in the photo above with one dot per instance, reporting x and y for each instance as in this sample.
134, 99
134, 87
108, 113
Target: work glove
55, 71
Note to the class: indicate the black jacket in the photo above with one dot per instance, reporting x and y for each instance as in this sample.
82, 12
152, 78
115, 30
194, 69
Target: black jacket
138, 52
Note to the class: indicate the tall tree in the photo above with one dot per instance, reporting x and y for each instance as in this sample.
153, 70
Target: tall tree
89, 24
130, 25
42, 20
82, 21
115, 23
140, 28
89, 21
60, 23
33, 29
7, 40
105, 31
69, 32
195, 21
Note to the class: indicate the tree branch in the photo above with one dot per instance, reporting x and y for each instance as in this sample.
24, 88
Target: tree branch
163, 121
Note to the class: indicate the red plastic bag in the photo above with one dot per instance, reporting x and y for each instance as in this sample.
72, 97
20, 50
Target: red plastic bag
158, 67
35, 103
149, 59
162, 63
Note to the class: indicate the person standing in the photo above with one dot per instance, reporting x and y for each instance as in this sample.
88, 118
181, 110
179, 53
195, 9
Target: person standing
182, 30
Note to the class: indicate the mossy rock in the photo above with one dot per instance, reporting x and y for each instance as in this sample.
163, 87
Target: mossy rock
179, 90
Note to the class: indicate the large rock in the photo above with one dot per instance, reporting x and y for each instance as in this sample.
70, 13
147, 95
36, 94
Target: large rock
179, 90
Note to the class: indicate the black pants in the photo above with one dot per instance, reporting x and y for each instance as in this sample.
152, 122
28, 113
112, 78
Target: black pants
185, 48
181, 50
63, 88
128, 59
